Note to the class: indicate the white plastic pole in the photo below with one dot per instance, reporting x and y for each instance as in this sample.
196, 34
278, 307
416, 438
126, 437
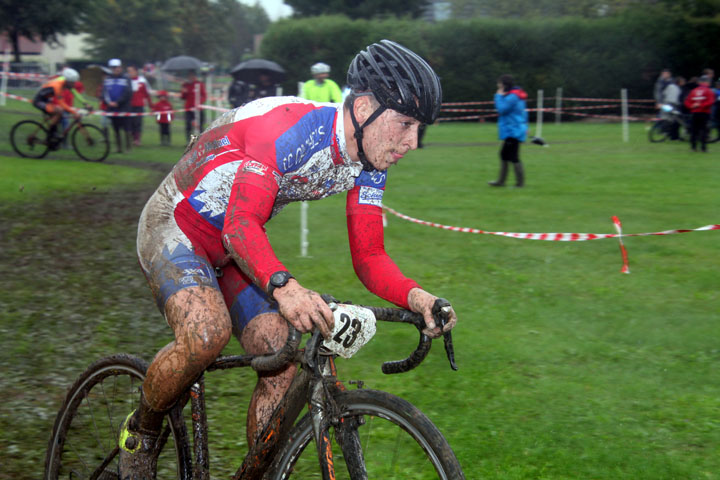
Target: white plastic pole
539, 118
301, 90
197, 109
304, 229
209, 90
6, 71
558, 105
625, 125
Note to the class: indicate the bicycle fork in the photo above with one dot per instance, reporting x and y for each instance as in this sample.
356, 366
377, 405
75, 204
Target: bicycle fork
325, 413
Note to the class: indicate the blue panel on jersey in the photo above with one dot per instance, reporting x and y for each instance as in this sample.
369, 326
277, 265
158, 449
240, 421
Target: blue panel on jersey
218, 220
309, 135
375, 179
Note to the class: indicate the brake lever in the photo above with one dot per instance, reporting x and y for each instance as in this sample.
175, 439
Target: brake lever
441, 312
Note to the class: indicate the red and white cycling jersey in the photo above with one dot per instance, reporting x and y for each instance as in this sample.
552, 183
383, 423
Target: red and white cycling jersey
247, 166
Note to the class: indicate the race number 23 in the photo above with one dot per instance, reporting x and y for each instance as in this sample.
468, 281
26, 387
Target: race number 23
350, 329
354, 327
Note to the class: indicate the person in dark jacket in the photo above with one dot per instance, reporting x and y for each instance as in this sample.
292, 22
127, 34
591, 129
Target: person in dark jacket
238, 93
512, 128
117, 91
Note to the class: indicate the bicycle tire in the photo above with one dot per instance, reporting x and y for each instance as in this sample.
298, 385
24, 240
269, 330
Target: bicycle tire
93, 147
398, 442
658, 132
29, 139
85, 433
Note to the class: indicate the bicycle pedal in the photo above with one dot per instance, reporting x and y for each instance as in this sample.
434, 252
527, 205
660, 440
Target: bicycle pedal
360, 384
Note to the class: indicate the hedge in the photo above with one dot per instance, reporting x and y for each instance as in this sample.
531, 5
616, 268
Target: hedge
585, 57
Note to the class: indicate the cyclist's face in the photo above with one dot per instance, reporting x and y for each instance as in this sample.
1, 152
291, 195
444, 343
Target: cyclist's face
389, 138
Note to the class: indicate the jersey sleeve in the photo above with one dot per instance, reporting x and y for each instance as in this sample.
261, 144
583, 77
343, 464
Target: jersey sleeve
251, 201
373, 266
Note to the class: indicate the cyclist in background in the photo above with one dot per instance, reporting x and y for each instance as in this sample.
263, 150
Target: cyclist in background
321, 88
50, 98
209, 216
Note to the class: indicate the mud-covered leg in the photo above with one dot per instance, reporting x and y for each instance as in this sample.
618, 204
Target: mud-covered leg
201, 323
266, 333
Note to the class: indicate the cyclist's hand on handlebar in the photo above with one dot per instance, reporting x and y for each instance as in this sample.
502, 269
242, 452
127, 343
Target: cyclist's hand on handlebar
304, 308
422, 302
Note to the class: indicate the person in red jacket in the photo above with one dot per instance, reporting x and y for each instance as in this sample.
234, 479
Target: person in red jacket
700, 101
140, 96
193, 92
163, 110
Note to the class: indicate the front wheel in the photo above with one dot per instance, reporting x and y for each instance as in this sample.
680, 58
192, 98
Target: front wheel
90, 143
391, 439
29, 139
84, 441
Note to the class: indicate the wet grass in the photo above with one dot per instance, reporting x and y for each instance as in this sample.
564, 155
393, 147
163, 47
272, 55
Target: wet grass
568, 369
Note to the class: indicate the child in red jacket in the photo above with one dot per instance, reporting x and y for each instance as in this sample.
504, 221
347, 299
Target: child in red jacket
163, 110
700, 101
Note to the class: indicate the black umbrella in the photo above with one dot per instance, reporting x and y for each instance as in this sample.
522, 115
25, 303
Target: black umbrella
182, 62
250, 71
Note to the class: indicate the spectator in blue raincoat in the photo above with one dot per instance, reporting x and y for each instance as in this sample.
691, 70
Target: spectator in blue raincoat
512, 128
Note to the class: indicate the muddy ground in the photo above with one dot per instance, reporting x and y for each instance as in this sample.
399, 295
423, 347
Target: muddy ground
71, 291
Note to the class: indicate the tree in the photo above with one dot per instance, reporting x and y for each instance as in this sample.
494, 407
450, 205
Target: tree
39, 19
216, 31
358, 8
133, 30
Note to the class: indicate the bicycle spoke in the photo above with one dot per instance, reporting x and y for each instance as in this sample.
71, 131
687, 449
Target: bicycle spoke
84, 442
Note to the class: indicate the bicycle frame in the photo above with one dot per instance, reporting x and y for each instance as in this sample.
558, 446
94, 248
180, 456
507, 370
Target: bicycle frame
261, 455
314, 385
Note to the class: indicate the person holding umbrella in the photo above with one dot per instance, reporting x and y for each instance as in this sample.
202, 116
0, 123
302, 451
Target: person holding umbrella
238, 93
193, 92
209, 215
262, 75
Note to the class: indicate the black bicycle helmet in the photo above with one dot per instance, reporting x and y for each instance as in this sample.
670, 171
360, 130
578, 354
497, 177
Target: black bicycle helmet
399, 80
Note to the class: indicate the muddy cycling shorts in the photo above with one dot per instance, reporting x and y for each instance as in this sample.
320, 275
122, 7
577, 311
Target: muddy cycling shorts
178, 249
44, 105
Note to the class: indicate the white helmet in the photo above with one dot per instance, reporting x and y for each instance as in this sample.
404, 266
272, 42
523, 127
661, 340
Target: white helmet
319, 68
71, 75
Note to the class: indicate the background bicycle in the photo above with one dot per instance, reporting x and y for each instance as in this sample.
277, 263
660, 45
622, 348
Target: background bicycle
32, 139
676, 124
357, 434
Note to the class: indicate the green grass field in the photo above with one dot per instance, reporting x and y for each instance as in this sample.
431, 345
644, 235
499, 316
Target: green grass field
568, 368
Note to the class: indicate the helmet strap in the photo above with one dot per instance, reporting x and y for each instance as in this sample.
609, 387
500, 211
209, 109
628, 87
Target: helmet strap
367, 166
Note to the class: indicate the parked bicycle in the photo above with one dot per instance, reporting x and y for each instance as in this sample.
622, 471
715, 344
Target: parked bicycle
357, 434
672, 124
676, 125
32, 139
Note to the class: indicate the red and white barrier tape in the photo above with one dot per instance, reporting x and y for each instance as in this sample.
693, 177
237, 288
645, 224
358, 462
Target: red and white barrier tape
16, 97
126, 114
25, 76
558, 237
